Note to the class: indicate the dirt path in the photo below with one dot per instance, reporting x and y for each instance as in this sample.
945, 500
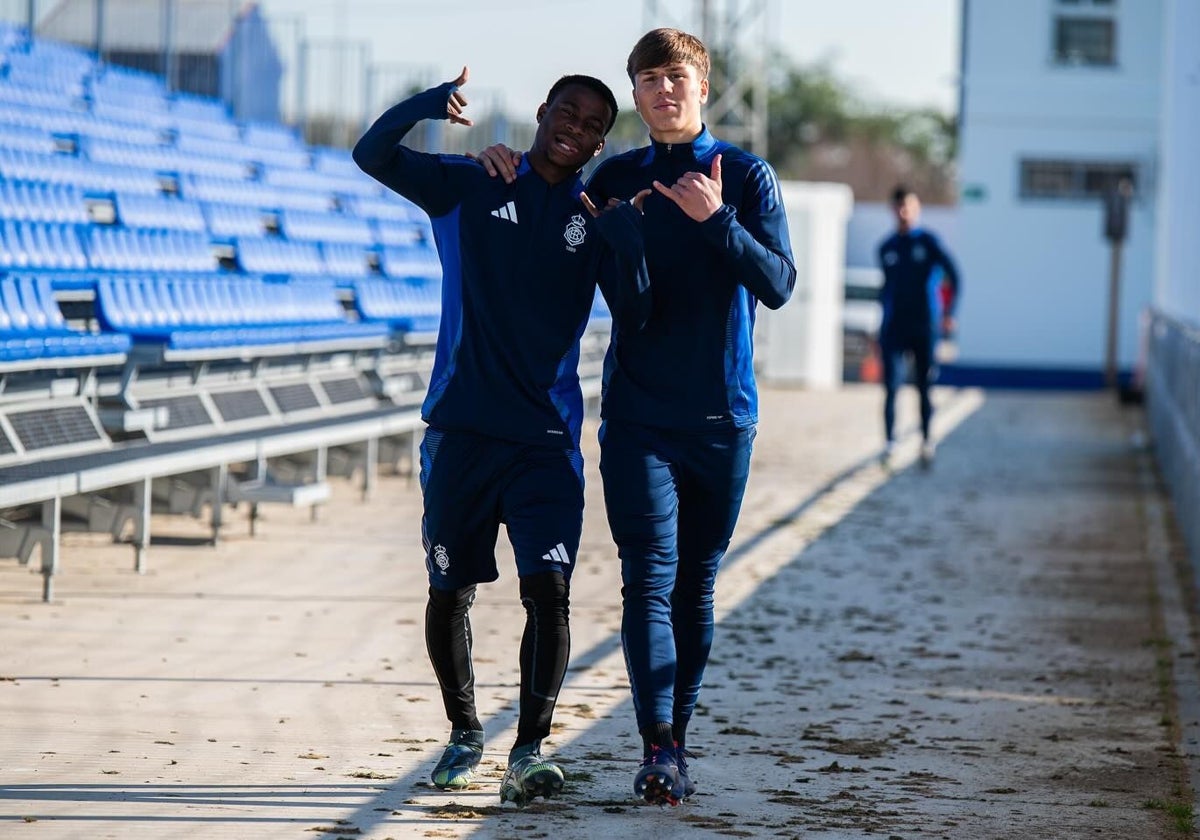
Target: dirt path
976, 651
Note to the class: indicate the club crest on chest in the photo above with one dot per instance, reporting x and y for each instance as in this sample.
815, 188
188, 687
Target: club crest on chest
575, 232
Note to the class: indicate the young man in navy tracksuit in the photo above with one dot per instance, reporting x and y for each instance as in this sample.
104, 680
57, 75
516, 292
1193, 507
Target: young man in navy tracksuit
916, 269
521, 263
680, 403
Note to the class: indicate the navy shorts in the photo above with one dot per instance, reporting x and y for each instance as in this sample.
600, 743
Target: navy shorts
472, 484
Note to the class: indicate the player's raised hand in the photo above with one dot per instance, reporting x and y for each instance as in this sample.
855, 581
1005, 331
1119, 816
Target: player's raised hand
500, 160
456, 102
697, 194
636, 201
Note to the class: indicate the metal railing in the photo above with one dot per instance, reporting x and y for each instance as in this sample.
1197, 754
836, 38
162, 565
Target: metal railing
1173, 401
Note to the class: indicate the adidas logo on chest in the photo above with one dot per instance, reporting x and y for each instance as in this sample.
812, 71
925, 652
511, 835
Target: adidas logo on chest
508, 212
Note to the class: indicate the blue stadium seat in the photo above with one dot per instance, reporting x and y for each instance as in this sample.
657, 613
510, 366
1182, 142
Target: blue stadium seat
164, 212
40, 245
66, 169
337, 162
221, 315
306, 179
414, 263
405, 306
386, 208
163, 159
252, 193
120, 249
405, 234
271, 136
344, 260
600, 311
27, 138
234, 220
182, 125
33, 332
200, 108
34, 202
325, 227
278, 256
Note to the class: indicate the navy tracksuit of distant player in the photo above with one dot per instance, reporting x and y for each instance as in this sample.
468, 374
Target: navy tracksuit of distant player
914, 265
680, 407
520, 264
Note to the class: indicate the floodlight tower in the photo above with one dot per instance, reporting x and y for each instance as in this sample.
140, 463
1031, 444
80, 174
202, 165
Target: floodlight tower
738, 36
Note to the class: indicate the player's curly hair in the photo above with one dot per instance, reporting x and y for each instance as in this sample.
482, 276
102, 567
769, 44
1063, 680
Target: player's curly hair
592, 83
660, 47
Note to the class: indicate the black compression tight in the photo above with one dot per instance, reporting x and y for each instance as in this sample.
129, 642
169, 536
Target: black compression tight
545, 647
544, 651
448, 640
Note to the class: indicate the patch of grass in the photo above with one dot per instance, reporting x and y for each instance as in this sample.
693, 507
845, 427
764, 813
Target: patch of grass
1181, 813
1098, 803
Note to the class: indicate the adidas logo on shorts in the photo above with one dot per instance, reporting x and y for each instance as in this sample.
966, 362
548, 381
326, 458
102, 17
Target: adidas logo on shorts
558, 554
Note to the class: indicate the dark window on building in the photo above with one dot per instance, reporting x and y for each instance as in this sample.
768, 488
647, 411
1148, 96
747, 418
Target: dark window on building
1073, 180
1088, 41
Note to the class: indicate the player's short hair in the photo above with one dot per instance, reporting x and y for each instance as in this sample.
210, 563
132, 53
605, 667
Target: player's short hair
591, 83
900, 192
660, 47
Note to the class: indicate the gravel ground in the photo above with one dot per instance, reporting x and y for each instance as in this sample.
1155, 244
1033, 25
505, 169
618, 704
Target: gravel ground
985, 649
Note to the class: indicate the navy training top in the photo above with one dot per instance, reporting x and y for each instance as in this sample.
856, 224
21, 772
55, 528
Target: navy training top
520, 267
914, 265
691, 368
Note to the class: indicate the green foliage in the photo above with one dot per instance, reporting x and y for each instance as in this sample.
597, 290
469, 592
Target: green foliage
811, 110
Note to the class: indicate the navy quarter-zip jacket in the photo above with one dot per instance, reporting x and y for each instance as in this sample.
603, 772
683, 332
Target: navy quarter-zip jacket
691, 368
914, 265
520, 267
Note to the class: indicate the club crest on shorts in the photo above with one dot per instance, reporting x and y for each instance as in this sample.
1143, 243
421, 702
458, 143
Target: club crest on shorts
441, 558
575, 232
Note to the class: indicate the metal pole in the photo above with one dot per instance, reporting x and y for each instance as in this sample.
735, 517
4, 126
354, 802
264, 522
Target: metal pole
100, 29
364, 69
302, 88
51, 521
31, 16
1114, 308
169, 44
143, 495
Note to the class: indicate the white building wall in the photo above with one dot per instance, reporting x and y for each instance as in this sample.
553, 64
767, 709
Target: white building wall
1177, 291
1036, 270
801, 344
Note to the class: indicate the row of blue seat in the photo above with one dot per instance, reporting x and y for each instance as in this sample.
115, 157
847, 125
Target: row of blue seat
32, 327
188, 312
42, 245
67, 203
405, 305
222, 313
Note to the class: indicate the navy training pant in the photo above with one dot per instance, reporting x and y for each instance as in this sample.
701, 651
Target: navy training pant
672, 501
892, 350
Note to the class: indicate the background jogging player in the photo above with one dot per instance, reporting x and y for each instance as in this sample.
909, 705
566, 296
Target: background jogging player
504, 406
916, 270
680, 402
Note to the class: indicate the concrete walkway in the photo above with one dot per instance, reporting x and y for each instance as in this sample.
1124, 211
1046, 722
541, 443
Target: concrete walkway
987, 649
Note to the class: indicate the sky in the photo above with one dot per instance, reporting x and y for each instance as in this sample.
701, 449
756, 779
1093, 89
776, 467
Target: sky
902, 53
